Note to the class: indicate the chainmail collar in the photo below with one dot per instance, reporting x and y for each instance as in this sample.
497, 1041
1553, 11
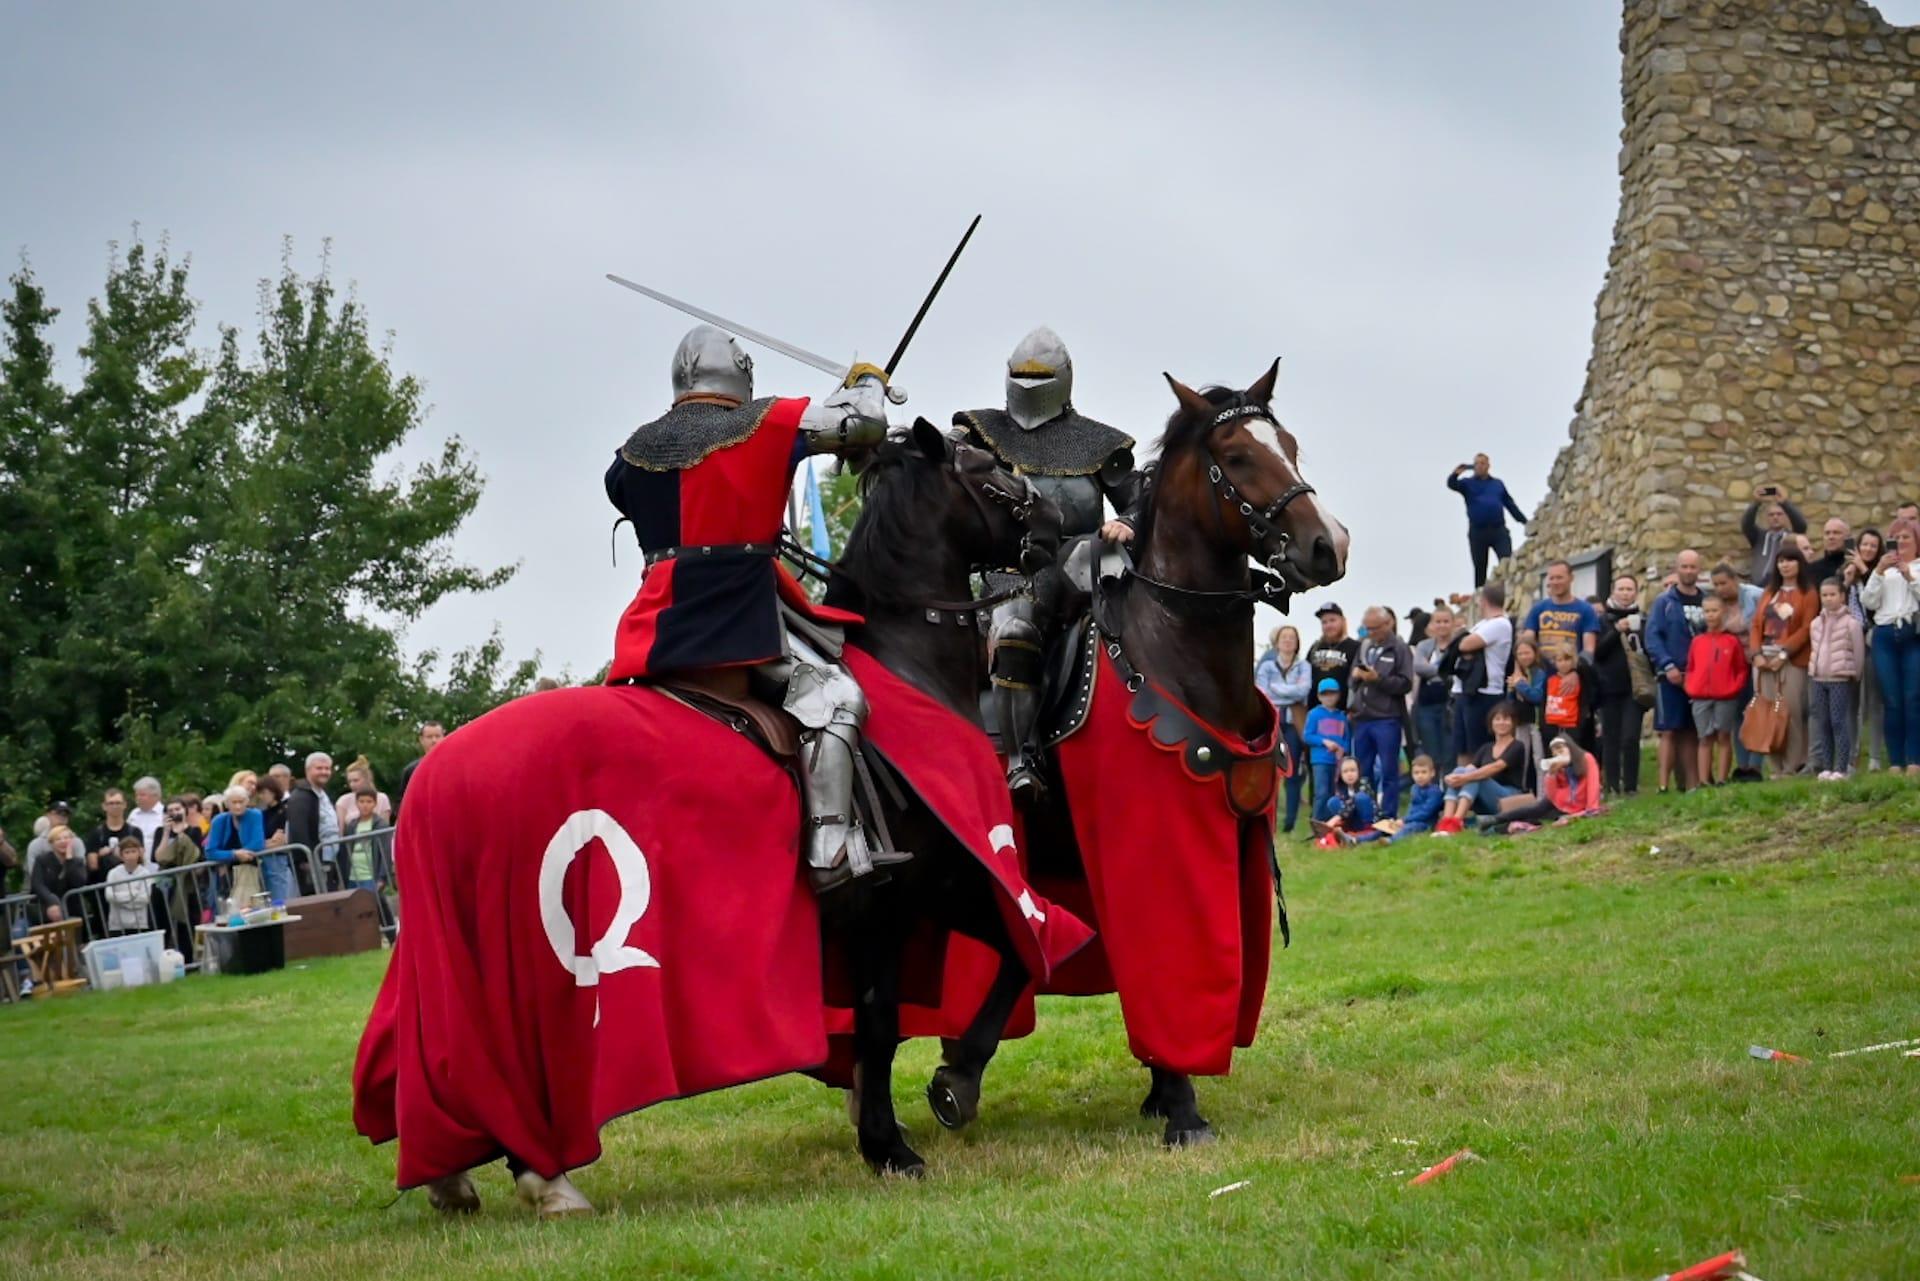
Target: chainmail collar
1067, 445
690, 431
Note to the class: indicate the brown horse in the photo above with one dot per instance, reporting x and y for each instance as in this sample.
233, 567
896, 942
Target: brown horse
1227, 489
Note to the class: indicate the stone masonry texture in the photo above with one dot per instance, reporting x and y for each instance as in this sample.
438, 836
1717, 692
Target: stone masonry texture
1760, 319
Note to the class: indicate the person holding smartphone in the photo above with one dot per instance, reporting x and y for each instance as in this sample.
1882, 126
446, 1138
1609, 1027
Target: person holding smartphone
1488, 506
1770, 521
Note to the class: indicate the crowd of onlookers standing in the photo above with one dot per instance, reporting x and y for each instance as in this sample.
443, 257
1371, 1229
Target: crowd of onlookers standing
263, 834
1805, 659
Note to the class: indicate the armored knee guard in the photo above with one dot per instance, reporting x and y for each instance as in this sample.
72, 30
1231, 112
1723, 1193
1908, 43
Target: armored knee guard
1016, 670
831, 708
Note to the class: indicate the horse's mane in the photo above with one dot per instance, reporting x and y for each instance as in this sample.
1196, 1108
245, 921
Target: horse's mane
897, 490
1183, 432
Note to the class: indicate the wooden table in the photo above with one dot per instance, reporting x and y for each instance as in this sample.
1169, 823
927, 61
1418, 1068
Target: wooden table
53, 957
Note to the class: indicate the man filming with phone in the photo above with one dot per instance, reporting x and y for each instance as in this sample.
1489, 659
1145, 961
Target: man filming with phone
1488, 504
1783, 520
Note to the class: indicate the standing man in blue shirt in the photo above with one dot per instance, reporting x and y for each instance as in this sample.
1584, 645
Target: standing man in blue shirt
1488, 503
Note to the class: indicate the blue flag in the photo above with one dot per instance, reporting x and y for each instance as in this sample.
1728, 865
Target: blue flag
817, 517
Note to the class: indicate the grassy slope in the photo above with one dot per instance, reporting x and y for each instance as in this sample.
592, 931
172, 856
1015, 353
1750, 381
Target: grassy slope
1571, 1005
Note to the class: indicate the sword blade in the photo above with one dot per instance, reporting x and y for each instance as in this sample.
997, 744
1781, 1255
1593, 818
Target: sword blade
893, 362
738, 330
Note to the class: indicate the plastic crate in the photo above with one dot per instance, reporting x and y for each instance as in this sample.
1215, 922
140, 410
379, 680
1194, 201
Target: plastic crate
106, 960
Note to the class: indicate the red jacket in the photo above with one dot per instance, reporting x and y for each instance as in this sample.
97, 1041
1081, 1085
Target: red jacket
1716, 666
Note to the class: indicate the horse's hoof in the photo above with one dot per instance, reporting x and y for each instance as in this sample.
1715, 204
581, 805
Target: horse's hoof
1152, 1108
896, 1160
903, 1165
1194, 1137
551, 1198
954, 1098
454, 1194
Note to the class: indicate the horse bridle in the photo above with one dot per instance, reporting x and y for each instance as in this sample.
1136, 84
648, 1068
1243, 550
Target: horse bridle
1262, 522
1265, 584
985, 496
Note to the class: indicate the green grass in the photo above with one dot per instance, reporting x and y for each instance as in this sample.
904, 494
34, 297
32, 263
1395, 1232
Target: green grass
1572, 1005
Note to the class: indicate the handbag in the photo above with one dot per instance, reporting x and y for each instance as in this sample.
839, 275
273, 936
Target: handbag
1640, 675
1763, 728
244, 882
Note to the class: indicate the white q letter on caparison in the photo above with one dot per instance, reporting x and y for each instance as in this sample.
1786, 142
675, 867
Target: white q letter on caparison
610, 953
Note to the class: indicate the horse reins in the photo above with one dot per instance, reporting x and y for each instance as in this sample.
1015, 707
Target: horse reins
1019, 506
1263, 584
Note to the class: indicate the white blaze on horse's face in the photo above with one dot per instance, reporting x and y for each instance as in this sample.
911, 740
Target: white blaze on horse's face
1267, 435
1265, 432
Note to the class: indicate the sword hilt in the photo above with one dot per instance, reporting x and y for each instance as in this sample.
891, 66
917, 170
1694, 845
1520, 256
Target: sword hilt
862, 370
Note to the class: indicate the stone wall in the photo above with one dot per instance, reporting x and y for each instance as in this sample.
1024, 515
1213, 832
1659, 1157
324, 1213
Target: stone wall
1760, 319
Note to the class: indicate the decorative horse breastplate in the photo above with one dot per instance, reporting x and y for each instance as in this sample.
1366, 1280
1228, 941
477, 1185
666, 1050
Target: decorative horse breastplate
1246, 769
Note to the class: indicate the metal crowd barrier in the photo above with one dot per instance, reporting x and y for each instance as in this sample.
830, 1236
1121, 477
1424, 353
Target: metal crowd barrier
16, 910
179, 898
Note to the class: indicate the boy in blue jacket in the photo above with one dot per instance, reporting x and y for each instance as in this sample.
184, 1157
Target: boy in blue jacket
1423, 808
1329, 737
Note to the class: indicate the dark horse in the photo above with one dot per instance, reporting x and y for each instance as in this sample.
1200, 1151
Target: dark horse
1227, 488
934, 511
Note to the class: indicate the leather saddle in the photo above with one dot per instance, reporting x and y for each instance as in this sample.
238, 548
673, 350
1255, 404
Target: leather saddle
723, 696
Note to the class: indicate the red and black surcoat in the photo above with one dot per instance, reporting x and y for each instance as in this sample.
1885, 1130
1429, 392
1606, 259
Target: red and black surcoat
706, 489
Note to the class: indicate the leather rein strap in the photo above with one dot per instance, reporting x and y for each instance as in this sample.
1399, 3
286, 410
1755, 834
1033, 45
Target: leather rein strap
1264, 585
1019, 506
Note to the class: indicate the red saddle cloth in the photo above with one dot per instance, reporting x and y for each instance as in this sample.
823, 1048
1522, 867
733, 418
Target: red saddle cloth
951, 765
1178, 887
604, 909
586, 932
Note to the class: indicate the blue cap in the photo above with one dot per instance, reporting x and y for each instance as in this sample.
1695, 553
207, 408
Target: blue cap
1329, 686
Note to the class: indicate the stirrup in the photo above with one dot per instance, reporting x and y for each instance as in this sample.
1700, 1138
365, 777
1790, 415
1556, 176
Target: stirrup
825, 880
1025, 782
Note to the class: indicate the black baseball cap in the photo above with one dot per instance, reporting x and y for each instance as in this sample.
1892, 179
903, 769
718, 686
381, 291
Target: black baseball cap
59, 807
1329, 608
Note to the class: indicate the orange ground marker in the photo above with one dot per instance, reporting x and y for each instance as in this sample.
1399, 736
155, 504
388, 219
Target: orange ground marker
1434, 1171
1730, 1264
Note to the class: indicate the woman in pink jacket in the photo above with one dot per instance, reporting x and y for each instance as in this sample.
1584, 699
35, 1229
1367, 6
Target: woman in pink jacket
1837, 655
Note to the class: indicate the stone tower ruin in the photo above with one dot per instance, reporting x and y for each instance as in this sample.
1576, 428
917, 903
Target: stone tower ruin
1760, 319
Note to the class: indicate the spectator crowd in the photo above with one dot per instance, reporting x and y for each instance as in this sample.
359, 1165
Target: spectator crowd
262, 834
1802, 660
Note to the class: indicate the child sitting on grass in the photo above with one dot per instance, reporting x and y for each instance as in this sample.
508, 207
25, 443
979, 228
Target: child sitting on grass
1423, 806
1349, 810
1716, 677
1838, 656
1572, 783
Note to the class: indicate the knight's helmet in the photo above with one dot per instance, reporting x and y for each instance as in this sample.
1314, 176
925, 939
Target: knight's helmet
1039, 379
708, 362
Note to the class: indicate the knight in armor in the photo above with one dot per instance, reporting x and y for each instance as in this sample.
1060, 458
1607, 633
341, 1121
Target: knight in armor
706, 487
1077, 462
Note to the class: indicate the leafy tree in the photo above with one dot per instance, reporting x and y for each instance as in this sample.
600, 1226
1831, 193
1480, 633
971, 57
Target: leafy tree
204, 562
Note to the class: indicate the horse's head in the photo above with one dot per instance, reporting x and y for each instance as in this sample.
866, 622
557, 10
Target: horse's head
1225, 451
998, 518
934, 504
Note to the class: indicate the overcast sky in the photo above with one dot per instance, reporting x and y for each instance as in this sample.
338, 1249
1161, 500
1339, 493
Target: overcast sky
1410, 202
